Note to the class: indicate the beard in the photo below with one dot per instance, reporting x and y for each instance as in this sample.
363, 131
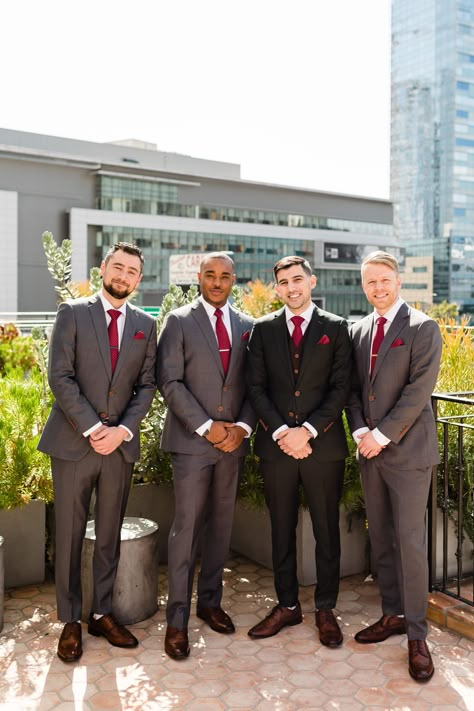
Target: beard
116, 291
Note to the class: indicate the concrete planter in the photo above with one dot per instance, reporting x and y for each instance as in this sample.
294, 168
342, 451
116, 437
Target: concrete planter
24, 533
251, 536
154, 502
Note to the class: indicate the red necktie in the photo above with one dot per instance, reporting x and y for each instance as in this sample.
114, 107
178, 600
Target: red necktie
378, 338
113, 337
297, 334
222, 340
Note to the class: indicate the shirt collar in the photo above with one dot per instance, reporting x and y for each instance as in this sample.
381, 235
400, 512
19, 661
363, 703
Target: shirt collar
392, 312
107, 305
210, 309
307, 314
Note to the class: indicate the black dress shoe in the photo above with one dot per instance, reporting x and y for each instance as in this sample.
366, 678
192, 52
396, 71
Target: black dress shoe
176, 643
381, 630
278, 618
216, 618
108, 627
329, 631
70, 642
420, 664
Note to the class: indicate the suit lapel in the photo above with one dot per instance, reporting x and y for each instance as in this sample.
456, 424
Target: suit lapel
127, 338
202, 319
392, 333
100, 325
237, 331
311, 337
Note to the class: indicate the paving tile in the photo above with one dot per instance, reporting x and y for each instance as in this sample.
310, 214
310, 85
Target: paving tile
288, 672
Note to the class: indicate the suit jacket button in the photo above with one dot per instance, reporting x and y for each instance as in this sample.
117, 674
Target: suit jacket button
226, 388
219, 408
111, 393
297, 393
371, 398
296, 371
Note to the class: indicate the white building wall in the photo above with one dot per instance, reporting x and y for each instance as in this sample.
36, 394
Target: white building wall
9, 251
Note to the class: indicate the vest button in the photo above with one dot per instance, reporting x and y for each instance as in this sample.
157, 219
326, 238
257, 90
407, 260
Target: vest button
371, 398
219, 408
291, 414
111, 393
297, 355
296, 371
226, 388
297, 393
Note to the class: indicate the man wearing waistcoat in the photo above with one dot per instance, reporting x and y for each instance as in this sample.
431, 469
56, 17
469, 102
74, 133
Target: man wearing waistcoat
299, 379
397, 351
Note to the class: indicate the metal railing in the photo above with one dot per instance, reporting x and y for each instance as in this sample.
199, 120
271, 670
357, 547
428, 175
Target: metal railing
26, 320
451, 505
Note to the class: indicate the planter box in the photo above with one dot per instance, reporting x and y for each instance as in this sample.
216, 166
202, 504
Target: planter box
157, 504
251, 536
24, 531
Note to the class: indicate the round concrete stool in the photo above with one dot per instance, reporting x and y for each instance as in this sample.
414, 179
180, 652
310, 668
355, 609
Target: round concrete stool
136, 585
2, 583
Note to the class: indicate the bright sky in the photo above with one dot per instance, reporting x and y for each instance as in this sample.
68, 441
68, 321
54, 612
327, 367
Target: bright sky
295, 91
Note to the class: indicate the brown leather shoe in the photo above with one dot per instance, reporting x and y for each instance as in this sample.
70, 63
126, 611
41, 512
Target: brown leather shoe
278, 618
176, 643
108, 627
70, 642
382, 629
216, 618
420, 664
329, 631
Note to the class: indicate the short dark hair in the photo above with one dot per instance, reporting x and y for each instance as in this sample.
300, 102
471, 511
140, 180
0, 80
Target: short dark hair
128, 248
216, 255
292, 261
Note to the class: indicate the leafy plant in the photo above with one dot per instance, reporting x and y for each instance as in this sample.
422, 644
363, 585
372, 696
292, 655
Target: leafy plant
25, 472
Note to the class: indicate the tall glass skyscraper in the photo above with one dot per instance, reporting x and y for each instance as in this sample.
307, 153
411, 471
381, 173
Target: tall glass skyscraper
432, 139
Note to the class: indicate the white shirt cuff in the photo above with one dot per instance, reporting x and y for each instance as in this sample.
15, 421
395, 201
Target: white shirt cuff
380, 438
130, 434
277, 432
92, 429
246, 428
311, 429
206, 426
356, 434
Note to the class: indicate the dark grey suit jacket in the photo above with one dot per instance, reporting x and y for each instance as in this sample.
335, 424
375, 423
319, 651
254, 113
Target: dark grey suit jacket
191, 378
80, 376
397, 398
319, 393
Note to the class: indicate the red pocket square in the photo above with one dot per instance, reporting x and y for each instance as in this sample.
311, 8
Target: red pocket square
245, 336
323, 341
139, 335
397, 342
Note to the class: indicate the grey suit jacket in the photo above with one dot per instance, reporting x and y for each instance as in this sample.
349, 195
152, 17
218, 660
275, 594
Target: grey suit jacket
191, 378
80, 376
397, 398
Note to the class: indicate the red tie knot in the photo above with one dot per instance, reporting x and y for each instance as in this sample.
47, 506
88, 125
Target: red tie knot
381, 321
297, 320
218, 313
114, 314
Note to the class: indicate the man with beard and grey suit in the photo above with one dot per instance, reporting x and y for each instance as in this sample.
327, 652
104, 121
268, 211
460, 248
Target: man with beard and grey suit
397, 352
201, 359
102, 375
299, 380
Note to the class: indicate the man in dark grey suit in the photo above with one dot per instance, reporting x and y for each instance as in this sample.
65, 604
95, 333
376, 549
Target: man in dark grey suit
397, 352
299, 380
102, 375
201, 358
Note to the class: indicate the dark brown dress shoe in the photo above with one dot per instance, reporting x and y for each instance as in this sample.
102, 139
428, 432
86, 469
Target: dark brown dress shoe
70, 642
382, 629
216, 618
108, 627
420, 664
176, 643
278, 618
329, 631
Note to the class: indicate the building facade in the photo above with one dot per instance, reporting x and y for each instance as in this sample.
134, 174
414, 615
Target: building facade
171, 205
432, 140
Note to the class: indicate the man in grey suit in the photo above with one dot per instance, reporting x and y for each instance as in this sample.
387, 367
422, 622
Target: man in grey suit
397, 352
200, 372
102, 375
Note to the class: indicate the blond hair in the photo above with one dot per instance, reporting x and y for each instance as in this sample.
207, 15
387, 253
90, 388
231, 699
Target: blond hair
379, 257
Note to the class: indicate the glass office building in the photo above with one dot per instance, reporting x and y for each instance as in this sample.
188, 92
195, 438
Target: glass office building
432, 140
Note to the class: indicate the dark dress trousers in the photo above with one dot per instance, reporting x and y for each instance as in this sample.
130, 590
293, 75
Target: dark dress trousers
285, 393
191, 378
86, 391
397, 400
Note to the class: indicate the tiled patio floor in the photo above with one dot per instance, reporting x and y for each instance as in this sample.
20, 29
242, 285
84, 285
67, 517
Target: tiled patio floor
290, 671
